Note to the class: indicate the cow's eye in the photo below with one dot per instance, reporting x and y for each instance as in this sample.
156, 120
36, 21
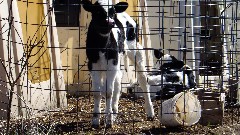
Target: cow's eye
111, 11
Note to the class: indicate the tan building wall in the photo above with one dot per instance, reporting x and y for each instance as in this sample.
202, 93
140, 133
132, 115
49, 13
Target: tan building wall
74, 58
167, 29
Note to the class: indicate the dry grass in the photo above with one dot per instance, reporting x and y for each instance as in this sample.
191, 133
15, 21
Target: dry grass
76, 119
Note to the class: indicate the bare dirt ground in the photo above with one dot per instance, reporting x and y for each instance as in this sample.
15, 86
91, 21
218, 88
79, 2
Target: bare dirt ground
76, 119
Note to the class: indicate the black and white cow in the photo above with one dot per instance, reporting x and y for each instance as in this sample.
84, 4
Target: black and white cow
170, 75
110, 31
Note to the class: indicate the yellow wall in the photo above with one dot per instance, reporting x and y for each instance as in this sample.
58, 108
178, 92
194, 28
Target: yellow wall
33, 19
132, 8
73, 54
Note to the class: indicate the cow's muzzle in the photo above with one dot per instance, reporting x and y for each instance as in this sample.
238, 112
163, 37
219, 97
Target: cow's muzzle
110, 22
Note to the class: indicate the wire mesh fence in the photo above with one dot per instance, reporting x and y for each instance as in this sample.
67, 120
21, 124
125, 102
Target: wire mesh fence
190, 53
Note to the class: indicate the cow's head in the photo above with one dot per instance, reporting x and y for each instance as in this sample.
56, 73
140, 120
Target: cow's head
104, 12
191, 77
167, 61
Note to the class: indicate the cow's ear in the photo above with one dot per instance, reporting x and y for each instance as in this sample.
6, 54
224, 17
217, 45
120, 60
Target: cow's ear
179, 64
174, 59
157, 53
87, 5
121, 7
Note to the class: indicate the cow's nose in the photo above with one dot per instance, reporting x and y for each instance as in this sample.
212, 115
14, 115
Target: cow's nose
110, 22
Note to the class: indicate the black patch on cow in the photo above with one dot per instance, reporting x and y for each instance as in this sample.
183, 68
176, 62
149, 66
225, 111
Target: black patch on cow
111, 49
191, 80
96, 42
90, 65
107, 44
100, 17
168, 69
191, 77
173, 59
100, 37
131, 32
115, 61
171, 77
169, 91
121, 35
121, 42
172, 65
157, 53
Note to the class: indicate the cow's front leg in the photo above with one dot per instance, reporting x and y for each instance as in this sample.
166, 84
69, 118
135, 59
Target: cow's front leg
110, 78
116, 94
137, 56
96, 89
142, 79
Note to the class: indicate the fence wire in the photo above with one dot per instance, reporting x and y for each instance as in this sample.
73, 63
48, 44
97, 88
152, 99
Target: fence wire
45, 85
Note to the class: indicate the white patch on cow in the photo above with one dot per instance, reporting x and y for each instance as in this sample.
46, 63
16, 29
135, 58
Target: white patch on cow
159, 80
156, 80
185, 81
115, 31
106, 4
124, 18
187, 67
165, 59
106, 82
136, 55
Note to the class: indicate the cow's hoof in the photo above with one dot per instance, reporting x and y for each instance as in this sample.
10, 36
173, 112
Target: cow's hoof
95, 126
108, 126
114, 117
150, 118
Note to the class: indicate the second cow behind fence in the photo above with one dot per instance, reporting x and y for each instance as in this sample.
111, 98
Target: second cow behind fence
170, 76
110, 32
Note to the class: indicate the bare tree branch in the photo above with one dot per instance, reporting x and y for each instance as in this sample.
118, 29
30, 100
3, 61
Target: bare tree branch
23, 62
